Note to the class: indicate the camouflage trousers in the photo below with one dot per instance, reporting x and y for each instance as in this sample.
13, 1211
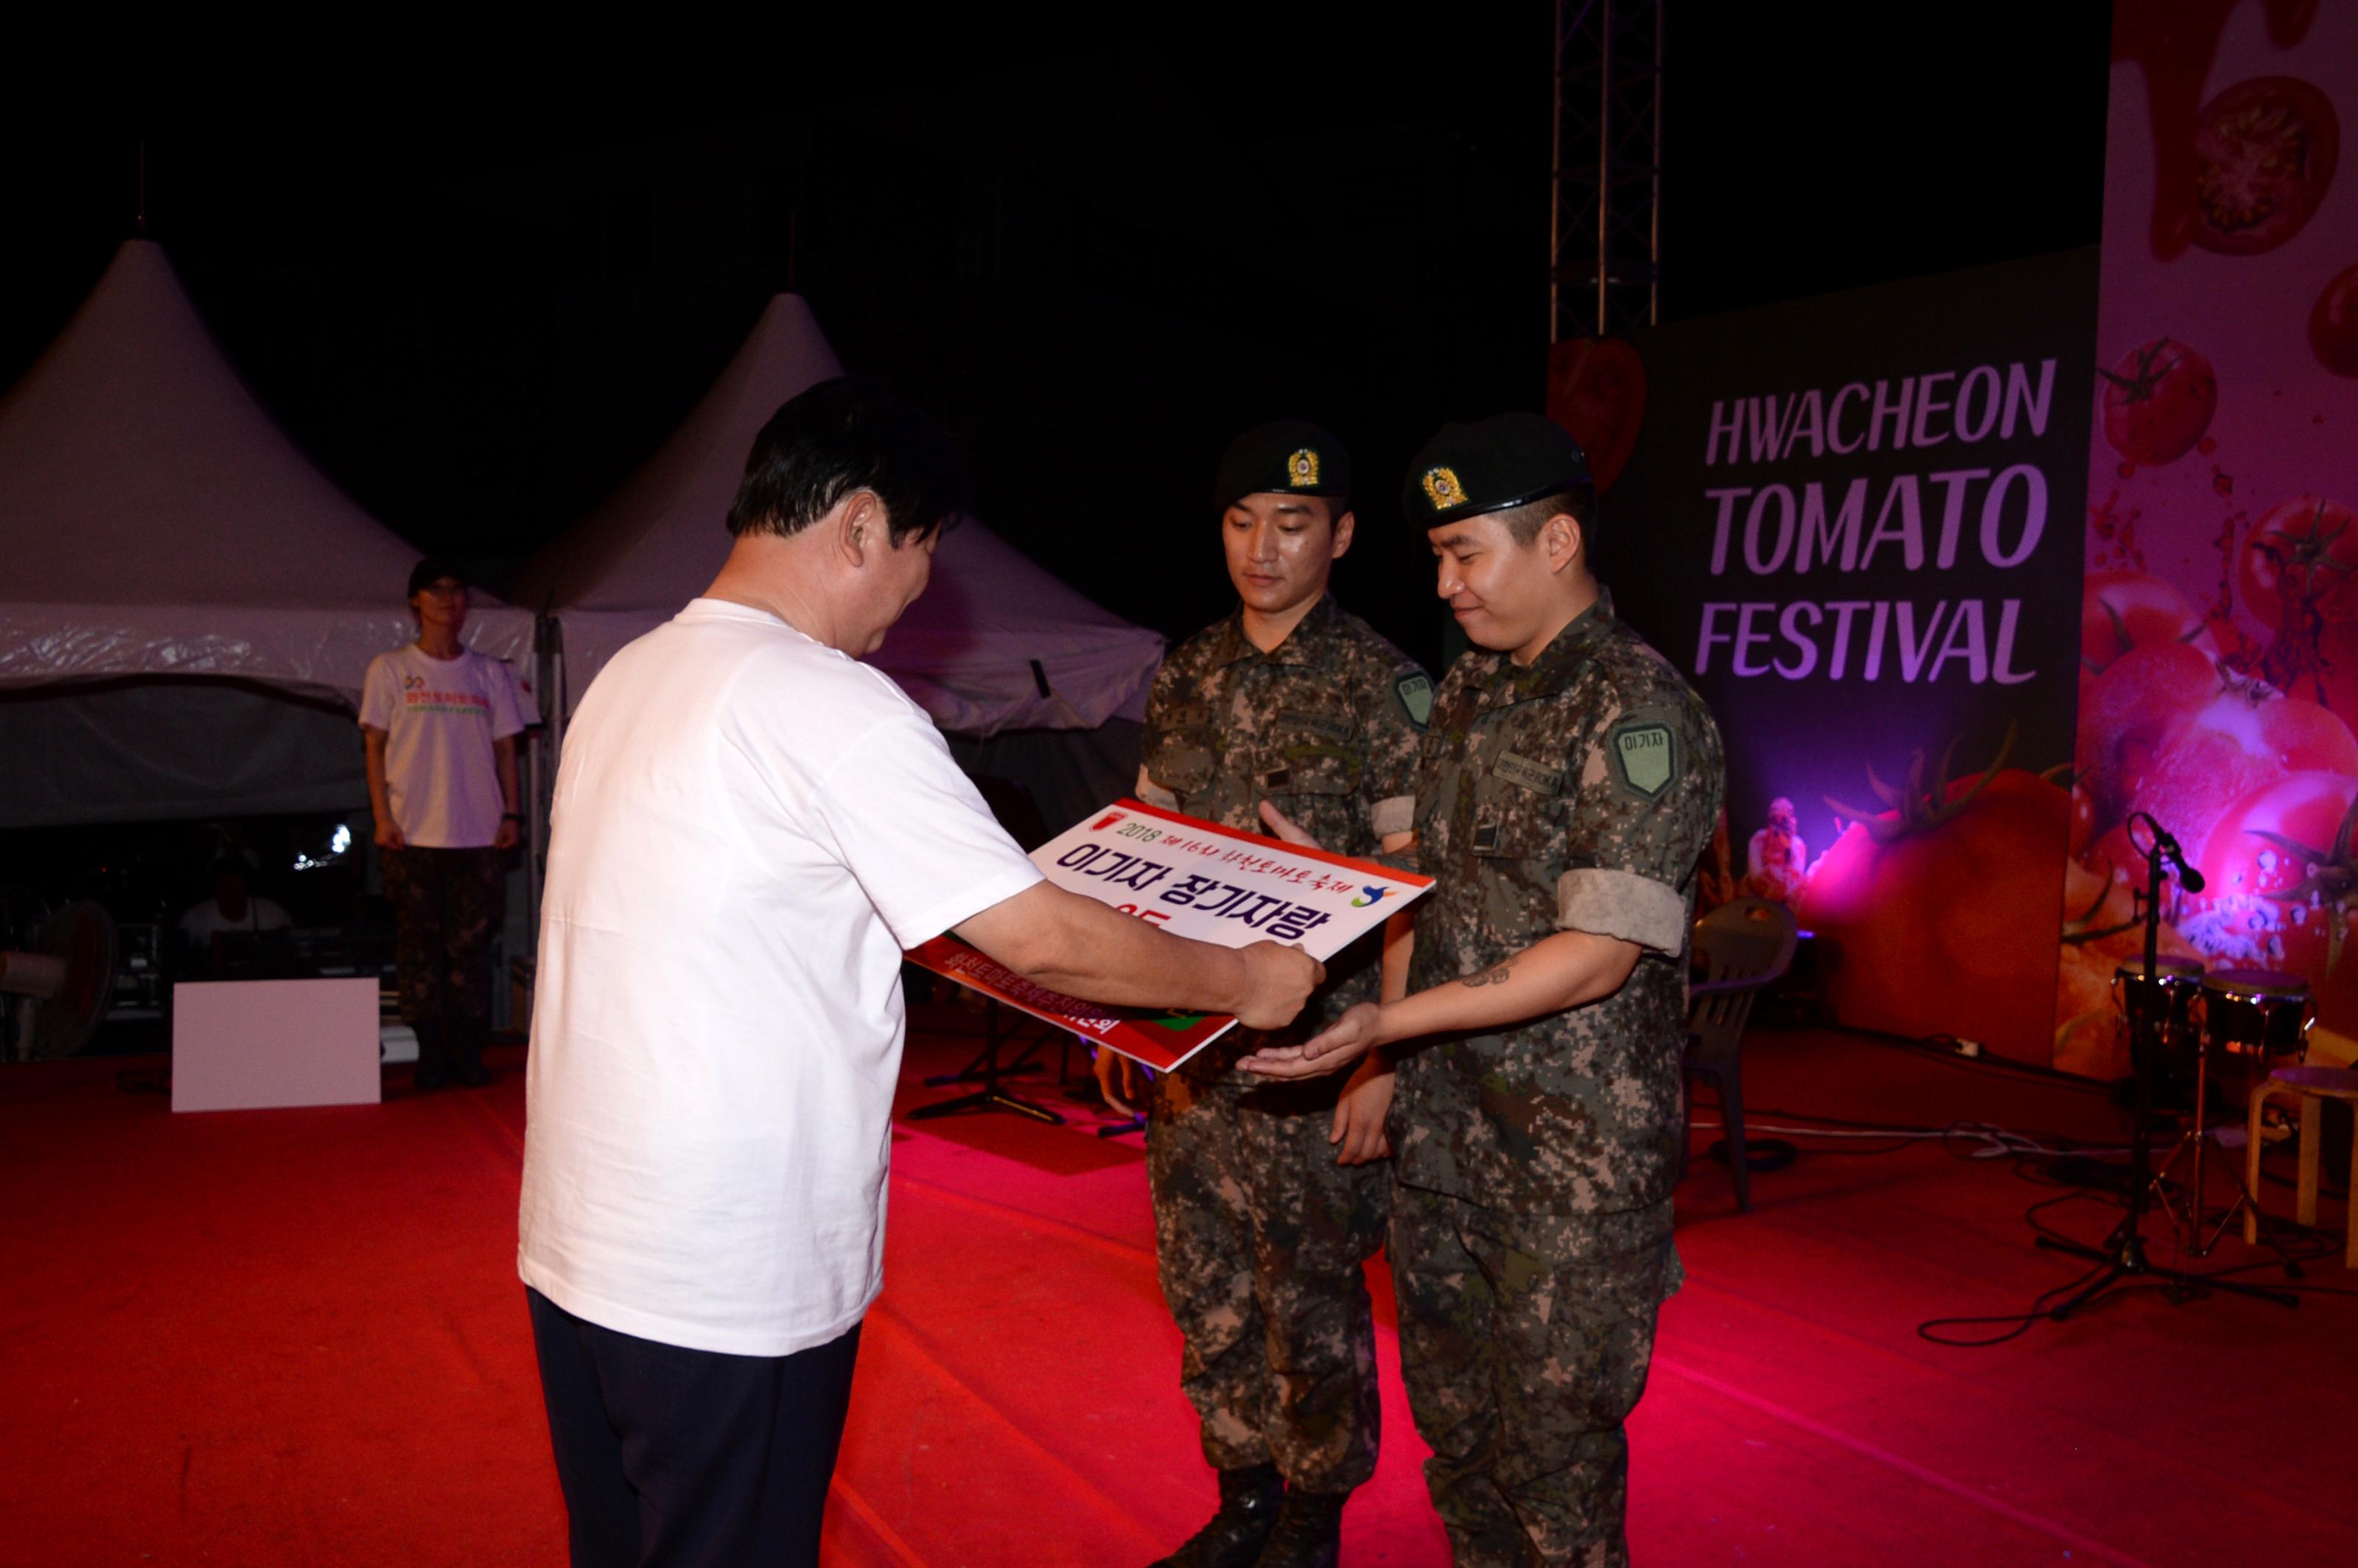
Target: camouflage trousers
1261, 1239
1525, 1341
447, 905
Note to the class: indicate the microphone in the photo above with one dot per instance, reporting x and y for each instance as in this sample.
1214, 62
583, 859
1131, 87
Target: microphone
2167, 849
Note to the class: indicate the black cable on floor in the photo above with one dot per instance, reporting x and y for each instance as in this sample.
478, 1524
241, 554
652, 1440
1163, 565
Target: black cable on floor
2309, 1247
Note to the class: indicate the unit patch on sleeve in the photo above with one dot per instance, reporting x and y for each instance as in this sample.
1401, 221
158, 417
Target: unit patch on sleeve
1416, 696
1645, 756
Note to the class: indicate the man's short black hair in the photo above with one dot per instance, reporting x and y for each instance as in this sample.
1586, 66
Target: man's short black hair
1525, 521
843, 436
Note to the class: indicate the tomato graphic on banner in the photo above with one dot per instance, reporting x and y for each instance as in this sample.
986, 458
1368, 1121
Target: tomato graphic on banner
2219, 689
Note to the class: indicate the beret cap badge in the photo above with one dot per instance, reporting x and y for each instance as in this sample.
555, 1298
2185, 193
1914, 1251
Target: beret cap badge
1287, 456
1441, 488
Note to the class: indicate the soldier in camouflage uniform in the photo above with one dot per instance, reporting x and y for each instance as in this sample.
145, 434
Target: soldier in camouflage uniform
1263, 1224
1568, 789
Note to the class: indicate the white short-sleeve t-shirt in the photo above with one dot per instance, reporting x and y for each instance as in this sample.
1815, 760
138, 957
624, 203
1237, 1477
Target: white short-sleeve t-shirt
206, 921
748, 830
440, 717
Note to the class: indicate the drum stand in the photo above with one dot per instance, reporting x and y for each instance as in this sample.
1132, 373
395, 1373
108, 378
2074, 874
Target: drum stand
2123, 1252
2189, 1148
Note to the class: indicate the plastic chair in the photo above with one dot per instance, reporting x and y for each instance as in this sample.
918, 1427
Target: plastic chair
1742, 947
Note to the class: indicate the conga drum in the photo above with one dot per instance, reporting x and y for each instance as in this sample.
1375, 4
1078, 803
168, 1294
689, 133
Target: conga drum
2170, 1001
2254, 1022
2259, 1014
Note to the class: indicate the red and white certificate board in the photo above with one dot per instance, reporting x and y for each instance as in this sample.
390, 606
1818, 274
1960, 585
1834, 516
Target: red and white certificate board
243, 1044
1195, 879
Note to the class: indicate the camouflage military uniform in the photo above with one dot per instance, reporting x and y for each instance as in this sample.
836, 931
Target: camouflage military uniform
1532, 1227
446, 908
1260, 1234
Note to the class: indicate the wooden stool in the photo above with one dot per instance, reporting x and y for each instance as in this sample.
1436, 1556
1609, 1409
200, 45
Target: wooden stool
2313, 1086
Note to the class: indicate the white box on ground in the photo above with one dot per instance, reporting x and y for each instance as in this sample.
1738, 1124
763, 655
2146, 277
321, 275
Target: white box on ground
400, 1043
243, 1044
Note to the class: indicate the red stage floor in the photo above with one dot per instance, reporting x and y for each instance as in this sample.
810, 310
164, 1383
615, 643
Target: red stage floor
296, 1337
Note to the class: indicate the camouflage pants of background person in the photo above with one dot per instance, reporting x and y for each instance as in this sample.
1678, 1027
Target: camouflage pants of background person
1262, 1241
1524, 1342
447, 905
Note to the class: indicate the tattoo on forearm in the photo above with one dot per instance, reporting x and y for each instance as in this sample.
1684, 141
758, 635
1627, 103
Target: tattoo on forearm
1497, 977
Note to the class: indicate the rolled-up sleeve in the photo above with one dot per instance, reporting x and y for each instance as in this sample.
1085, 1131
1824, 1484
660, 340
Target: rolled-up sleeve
1623, 905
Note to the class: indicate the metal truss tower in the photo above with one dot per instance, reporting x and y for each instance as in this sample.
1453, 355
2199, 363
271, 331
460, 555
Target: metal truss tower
1604, 231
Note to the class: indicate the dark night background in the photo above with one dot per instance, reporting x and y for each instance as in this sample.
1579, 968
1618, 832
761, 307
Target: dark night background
1096, 253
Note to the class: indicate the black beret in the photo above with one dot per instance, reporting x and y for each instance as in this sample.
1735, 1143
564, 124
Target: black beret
429, 571
1291, 456
1488, 465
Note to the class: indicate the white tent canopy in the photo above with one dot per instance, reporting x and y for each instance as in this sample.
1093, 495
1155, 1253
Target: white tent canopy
995, 644
172, 559
156, 520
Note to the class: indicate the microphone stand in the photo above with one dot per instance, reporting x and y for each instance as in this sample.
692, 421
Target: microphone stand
2123, 1252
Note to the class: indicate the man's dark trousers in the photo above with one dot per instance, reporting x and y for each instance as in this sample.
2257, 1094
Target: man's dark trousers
679, 1459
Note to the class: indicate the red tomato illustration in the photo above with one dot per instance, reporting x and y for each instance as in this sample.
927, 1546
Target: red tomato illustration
2235, 744
2115, 858
2263, 154
2335, 677
1596, 390
2083, 822
2302, 560
2143, 697
2157, 401
2125, 610
2333, 324
2282, 880
1935, 911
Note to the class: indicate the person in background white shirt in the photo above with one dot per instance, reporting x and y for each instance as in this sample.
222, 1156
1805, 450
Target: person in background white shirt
439, 721
232, 909
750, 828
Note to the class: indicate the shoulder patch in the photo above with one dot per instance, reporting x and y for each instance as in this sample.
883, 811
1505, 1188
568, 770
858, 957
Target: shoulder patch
1645, 756
1416, 696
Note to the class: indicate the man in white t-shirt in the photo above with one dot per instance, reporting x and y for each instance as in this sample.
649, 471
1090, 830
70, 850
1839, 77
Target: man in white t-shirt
230, 911
750, 828
439, 721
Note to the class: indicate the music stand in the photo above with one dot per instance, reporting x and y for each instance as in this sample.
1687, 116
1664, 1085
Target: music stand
1001, 1025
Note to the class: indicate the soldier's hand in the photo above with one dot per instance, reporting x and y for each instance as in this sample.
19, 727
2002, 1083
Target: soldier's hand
1285, 827
1124, 1081
1345, 1041
1278, 980
1359, 1114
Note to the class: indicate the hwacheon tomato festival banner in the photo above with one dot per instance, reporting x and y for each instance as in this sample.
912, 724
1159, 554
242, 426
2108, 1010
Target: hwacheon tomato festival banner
1195, 880
1976, 569
1854, 524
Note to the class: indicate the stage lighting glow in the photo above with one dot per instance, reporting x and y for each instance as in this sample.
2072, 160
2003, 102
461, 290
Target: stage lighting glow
339, 841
